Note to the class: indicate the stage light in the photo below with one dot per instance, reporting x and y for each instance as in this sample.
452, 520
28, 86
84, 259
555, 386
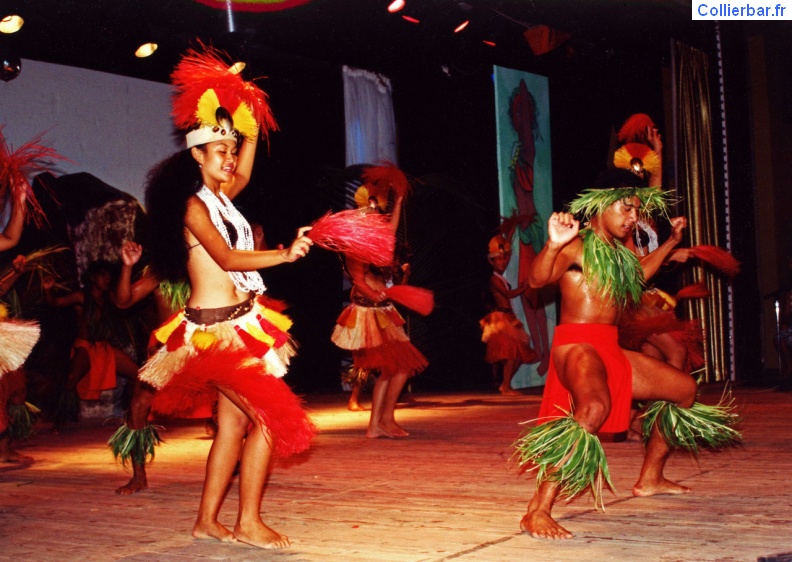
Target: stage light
395, 6
146, 50
490, 43
10, 65
462, 26
11, 24
411, 20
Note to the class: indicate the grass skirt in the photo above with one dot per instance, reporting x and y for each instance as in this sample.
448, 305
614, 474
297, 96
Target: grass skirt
377, 340
247, 355
506, 338
17, 338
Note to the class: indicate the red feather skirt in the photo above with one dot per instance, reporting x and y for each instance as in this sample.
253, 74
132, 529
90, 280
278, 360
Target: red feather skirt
637, 325
506, 338
377, 340
247, 355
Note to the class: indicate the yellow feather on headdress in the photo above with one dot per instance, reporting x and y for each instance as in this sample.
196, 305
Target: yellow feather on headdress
637, 158
362, 198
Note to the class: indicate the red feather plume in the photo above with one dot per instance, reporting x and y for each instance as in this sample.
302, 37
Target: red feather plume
416, 299
386, 176
367, 237
695, 291
634, 129
199, 71
15, 167
718, 258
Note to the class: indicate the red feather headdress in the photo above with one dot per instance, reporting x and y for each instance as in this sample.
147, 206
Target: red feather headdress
15, 167
204, 82
635, 128
386, 176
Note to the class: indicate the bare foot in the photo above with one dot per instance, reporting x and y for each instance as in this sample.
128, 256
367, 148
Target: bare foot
541, 525
394, 431
212, 530
510, 391
646, 489
354, 406
135, 485
261, 536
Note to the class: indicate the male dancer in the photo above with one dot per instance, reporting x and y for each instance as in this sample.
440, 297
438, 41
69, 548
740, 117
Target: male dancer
592, 380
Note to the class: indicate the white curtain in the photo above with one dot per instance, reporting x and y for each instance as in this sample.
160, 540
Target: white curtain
370, 124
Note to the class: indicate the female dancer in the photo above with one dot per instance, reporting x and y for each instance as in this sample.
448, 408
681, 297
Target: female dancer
227, 341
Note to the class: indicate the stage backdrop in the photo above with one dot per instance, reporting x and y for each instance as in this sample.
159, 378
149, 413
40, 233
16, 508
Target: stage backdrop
522, 109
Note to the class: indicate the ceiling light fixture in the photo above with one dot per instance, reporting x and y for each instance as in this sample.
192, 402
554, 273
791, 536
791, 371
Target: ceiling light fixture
11, 24
146, 50
462, 26
395, 6
490, 43
411, 20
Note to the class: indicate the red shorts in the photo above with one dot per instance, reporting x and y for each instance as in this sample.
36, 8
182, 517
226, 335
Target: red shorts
556, 400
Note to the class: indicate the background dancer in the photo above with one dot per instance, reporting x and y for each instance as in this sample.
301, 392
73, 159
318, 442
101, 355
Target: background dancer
371, 328
506, 339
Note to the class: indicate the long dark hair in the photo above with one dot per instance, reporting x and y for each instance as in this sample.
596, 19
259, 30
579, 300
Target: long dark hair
168, 186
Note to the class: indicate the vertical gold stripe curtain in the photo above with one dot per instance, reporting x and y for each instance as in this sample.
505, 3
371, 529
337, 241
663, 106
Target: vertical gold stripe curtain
698, 188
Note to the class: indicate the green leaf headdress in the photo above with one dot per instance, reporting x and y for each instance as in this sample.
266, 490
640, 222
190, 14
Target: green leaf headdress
594, 201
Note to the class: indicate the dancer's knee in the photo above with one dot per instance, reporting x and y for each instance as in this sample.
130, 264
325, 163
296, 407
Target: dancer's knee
592, 414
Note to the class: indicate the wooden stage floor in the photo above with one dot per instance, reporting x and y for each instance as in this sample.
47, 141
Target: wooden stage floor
448, 492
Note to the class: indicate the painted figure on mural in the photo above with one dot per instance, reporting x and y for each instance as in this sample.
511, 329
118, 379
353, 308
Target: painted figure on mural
530, 231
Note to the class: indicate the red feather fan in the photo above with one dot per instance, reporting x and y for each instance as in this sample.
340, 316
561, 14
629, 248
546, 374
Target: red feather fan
695, 291
415, 298
199, 71
635, 128
15, 167
717, 258
367, 237
386, 176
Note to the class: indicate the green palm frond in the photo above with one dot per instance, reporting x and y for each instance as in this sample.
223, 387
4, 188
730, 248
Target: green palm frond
562, 451
176, 293
613, 272
139, 445
690, 428
20, 420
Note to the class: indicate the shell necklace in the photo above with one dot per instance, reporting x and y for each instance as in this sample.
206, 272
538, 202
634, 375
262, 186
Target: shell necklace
223, 212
